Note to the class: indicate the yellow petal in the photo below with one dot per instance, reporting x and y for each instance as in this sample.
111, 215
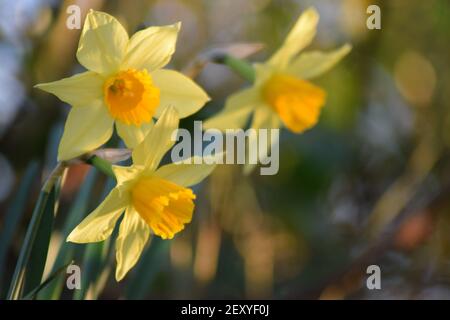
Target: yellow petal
263, 72
131, 134
85, 130
125, 174
158, 141
132, 238
102, 43
236, 112
151, 48
312, 64
184, 174
298, 38
80, 90
263, 118
99, 225
178, 91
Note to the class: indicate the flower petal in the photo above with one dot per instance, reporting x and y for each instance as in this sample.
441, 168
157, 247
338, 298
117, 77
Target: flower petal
102, 44
131, 134
158, 141
125, 174
80, 90
236, 111
133, 236
263, 72
151, 48
312, 64
298, 38
263, 118
86, 129
178, 91
99, 224
186, 173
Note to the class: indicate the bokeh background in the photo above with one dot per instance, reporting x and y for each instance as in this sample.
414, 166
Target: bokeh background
370, 184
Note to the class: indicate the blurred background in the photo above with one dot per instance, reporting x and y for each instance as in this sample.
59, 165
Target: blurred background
370, 184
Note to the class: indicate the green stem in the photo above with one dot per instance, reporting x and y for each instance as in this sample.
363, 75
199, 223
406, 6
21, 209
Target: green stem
102, 165
25, 252
241, 67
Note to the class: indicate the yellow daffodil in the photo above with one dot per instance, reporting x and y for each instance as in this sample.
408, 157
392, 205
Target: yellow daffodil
155, 200
125, 84
281, 93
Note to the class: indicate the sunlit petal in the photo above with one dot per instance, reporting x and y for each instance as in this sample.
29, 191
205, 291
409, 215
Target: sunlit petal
99, 225
85, 130
186, 174
81, 90
126, 174
263, 118
102, 43
158, 141
178, 91
151, 48
298, 38
132, 238
312, 64
131, 134
236, 112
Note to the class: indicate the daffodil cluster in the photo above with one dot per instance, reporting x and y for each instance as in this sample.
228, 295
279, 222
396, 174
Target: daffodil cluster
125, 85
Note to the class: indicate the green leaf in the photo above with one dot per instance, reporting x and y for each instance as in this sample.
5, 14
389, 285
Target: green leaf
67, 250
15, 213
33, 293
92, 266
39, 211
95, 258
38, 257
45, 202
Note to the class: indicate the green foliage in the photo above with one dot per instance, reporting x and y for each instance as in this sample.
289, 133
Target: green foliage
66, 253
14, 214
44, 207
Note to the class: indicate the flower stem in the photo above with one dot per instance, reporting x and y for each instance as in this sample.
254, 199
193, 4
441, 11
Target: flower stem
30, 237
241, 67
101, 165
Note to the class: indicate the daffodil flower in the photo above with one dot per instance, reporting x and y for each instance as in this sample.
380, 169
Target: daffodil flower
281, 93
125, 84
155, 200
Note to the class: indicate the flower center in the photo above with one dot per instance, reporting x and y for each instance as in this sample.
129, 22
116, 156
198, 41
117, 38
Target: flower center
164, 205
131, 96
297, 102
